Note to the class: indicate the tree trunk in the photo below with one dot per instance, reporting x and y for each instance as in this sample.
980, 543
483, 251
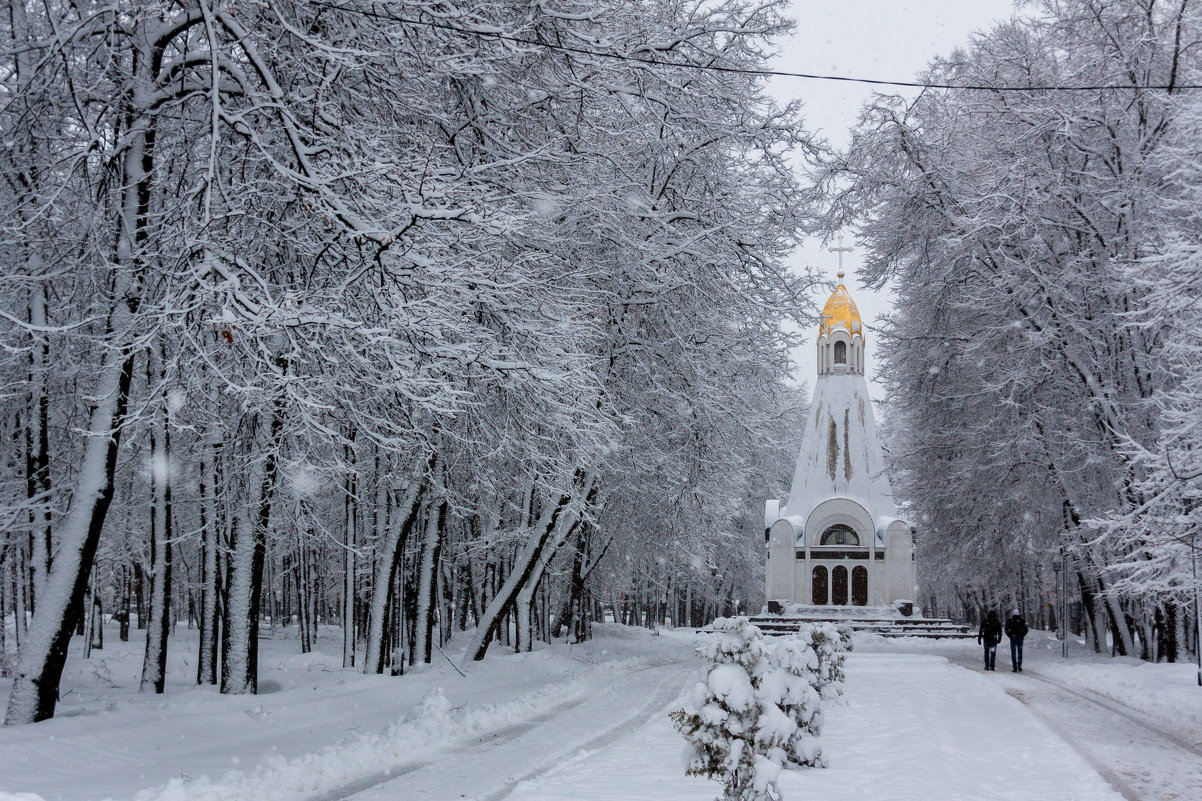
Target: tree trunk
28, 155
154, 665
464, 590
1090, 613
239, 673
126, 582
97, 623
521, 610
139, 595
3, 617
571, 604
20, 582
427, 587
88, 619
549, 526
300, 564
240, 658
1166, 648
1120, 631
37, 448
44, 652
388, 555
210, 533
348, 561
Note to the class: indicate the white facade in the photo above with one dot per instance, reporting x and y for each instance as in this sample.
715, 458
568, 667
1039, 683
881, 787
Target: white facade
837, 540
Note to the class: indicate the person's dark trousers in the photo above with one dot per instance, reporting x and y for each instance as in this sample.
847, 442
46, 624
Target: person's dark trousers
990, 656
1016, 654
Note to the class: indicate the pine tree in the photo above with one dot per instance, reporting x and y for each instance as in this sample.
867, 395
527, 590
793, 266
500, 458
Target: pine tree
758, 710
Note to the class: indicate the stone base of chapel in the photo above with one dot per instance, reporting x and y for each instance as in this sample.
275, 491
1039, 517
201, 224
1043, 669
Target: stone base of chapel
886, 621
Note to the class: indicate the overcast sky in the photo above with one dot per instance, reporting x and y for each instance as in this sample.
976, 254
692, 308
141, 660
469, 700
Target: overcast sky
881, 39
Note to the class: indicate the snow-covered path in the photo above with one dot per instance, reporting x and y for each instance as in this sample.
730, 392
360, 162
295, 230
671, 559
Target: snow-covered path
320, 731
491, 767
589, 723
914, 727
1139, 763
1140, 758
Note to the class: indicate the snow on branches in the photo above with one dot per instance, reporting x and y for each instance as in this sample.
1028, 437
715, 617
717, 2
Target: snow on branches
1040, 356
402, 318
758, 711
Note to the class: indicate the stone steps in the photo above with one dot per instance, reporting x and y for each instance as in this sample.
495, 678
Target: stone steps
929, 628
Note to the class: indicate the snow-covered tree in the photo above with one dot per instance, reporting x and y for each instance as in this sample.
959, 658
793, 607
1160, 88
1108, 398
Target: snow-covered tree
407, 340
756, 713
1163, 534
831, 644
1013, 222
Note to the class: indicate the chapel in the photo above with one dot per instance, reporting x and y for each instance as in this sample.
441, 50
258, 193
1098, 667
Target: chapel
837, 540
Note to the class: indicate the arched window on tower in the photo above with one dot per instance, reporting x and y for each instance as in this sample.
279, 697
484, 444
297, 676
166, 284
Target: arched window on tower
840, 535
840, 352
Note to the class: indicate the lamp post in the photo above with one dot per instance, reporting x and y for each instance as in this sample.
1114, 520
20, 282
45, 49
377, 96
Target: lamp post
1193, 558
1060, 566
1064, 601
1056, 599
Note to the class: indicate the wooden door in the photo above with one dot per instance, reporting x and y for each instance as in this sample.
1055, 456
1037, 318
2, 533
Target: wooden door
818, 588
859, 586
839, 586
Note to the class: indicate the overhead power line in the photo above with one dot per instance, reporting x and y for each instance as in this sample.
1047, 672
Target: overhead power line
809, 76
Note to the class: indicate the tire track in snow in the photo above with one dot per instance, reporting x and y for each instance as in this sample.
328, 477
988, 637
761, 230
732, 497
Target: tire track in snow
1112, 778
665, 692
372, 780
1134, 777
1128, 714
513, 732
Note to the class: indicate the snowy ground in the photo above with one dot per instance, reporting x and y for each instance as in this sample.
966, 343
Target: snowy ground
1166, 695
1135, 723
587, 723
314, 730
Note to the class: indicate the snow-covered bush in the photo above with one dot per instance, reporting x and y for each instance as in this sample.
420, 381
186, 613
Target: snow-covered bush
756, 713
831, 643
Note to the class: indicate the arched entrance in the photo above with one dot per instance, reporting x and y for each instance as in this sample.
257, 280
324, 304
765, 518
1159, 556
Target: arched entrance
859, 586
818, 590
839, 586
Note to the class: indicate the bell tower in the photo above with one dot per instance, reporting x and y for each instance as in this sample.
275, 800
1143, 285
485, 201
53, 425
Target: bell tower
837, 539
840, 335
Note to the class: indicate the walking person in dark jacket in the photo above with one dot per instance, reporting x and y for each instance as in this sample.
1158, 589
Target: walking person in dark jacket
990, 634
1016, 629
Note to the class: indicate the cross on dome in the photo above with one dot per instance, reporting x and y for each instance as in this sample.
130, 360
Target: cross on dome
840, 309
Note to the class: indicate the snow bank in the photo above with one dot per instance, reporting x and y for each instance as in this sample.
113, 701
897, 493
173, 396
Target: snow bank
110, 741
1166, 693
431, 725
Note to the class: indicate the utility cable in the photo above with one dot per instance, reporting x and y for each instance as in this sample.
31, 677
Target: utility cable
810, 76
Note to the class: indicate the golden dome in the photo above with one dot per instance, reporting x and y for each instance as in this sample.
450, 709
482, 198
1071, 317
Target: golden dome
840, 310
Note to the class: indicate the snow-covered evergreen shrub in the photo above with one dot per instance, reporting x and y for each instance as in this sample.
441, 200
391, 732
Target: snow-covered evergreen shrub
756, 713
831, 643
